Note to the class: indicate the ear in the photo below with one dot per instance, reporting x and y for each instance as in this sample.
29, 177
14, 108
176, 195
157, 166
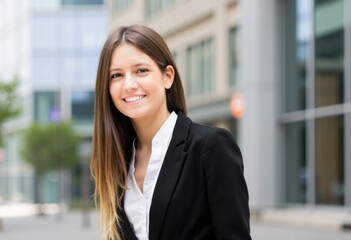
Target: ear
168, 77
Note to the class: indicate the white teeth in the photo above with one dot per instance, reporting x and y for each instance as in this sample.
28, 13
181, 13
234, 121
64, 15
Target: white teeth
133, 99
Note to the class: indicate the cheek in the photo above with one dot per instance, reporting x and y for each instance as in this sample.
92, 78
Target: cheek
114, 91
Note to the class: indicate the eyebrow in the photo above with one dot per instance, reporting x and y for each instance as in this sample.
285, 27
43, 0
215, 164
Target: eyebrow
135, 65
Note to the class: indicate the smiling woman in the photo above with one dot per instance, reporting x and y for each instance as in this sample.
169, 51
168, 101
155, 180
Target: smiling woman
137, 86
158, 175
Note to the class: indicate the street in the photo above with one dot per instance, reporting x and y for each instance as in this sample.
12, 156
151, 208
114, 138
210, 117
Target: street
70, 227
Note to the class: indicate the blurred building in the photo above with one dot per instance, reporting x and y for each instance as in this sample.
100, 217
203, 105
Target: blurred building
53, 48
276, 73
288, 65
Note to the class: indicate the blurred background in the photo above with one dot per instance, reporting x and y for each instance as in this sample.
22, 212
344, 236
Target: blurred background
276, 73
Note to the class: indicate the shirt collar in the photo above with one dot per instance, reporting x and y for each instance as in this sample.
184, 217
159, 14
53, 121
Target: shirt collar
165, 131
158, 141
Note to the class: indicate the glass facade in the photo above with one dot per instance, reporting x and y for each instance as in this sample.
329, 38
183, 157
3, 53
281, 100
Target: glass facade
329, 52
53, 48
233, 57
330, 160
298, 41
296, 171
47, 107
82, 107
44, 5
82, 2
200, 69
67, 52
315, 119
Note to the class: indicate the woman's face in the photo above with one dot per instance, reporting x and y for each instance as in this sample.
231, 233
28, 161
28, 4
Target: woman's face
137, 85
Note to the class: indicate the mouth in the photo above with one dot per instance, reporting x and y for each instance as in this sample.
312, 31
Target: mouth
133, 98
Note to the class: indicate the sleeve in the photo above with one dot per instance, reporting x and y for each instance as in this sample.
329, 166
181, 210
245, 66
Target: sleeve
226, 187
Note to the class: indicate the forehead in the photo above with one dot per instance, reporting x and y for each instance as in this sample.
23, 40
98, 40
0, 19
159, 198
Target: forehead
126, 54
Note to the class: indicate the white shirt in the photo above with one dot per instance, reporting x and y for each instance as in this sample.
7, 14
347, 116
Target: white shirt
136, 203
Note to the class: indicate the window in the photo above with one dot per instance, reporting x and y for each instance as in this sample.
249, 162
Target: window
200, 69
46, 107
70, 69
295, 165
298, 40
82, 2
93, 32
233, 57
46, 5
83, 107
329, 52
45, 34
154, 7
69, 33
316, 137
329, 177
46, 71
89, 68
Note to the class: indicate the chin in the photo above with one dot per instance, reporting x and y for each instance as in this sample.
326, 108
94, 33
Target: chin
138, 115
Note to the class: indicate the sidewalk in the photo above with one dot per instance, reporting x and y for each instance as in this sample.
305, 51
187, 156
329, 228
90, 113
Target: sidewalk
334, 220
301, 224
265, 231
71, 227
68, 226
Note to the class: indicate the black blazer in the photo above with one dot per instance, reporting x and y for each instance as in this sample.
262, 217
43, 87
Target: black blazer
201, 192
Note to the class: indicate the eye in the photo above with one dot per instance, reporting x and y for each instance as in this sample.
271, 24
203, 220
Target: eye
142, 70
116, 75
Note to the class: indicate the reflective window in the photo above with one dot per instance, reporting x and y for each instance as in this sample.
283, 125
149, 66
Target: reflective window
82, 2
296, 169
89, 66
233, 57
330, 160
200, 69
93, 32
46, 107
70, 69
82, 107
315, 26
46, 5
69, 32
298, 39
46, 71
67, 47
329, 51
45, 33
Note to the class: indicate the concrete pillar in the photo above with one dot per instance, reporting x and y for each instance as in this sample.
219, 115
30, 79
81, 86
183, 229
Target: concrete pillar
258, 127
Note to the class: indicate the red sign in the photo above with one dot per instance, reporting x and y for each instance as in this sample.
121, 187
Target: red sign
237, 105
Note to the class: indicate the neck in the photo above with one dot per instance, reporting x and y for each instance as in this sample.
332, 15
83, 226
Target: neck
146, 129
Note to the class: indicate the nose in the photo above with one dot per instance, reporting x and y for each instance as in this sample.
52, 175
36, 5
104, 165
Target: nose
130, 83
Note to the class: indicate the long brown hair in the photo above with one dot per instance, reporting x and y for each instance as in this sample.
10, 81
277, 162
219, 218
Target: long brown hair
113, 131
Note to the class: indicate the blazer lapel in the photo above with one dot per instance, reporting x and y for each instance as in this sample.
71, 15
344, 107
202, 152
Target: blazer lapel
168, 176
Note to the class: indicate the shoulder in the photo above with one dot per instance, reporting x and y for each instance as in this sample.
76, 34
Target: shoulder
196, 132
209, 133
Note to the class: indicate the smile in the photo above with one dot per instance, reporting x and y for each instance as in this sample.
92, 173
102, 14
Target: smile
134, 98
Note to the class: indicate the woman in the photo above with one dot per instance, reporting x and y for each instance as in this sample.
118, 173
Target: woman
157, 174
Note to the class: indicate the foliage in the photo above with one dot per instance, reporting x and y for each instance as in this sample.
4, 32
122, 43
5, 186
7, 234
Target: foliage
8, 107
50, 147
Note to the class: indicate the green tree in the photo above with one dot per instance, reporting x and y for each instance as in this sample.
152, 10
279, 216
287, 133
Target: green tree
8, 106
50, 147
